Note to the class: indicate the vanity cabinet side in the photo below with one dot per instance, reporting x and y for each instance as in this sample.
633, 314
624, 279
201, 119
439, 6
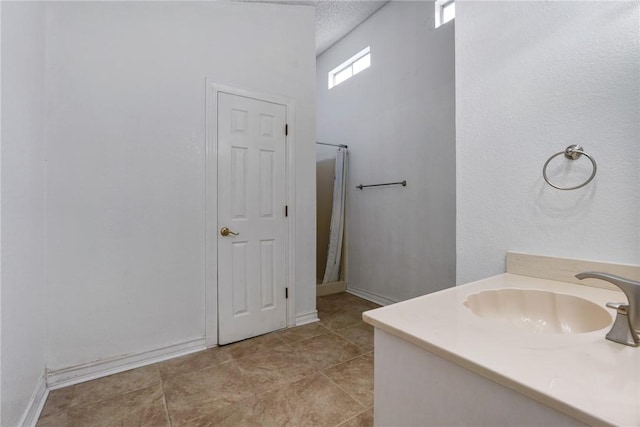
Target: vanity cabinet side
414, 387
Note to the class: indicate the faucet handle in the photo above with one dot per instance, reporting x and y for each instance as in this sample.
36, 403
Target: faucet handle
620, 307
621, 331
626, 327
631, 289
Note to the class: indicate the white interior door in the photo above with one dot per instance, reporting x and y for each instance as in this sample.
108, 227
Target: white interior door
251, 205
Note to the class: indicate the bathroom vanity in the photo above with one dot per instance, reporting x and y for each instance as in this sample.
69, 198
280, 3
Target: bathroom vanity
439, 363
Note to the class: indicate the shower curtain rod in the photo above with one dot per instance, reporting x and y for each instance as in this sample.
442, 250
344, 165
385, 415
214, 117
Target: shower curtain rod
333, 145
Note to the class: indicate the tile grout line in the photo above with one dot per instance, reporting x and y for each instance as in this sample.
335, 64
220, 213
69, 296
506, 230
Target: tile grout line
164, 400
341, 362
354, 417
331, 367
348, 394
361, 349
335, 332
309, 338
352, 342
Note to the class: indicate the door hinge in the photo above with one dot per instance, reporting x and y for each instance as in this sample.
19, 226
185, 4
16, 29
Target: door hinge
286, 210
286, 293
286, 130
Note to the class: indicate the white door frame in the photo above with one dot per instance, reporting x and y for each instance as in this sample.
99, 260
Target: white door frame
211, 203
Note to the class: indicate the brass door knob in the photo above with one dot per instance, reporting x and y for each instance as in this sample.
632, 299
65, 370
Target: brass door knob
225, 232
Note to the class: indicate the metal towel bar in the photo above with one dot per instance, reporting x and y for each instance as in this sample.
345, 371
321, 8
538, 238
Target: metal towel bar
403, 183
572, 152
333, 145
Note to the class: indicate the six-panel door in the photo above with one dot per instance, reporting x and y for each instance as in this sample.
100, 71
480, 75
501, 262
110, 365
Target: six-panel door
251, 203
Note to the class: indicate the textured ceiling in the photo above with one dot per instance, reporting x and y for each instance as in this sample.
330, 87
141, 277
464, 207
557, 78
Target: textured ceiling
334, 19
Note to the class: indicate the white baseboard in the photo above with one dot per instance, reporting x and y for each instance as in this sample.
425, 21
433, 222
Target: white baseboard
36, 403
324, 289
90, 371
370, 296
304, 318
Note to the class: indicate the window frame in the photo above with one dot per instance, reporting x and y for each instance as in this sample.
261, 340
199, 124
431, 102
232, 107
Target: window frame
440, 6
348, 64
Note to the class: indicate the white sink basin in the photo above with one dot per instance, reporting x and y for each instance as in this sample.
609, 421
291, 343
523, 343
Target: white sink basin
539, 311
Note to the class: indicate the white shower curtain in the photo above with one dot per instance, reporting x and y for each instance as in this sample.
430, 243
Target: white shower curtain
332, 272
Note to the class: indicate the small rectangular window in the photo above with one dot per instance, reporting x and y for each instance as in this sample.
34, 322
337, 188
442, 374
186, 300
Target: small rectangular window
350, 67
445, 11
343, 75
362, 63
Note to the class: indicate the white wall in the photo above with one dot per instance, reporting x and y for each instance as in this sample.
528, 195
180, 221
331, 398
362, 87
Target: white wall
532, 78
126, 139
23, 190
397, 117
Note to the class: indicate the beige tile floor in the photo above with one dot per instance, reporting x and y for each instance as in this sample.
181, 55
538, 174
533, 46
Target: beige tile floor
319, 374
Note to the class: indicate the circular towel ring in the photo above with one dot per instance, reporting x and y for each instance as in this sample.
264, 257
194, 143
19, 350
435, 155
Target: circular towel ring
572, 152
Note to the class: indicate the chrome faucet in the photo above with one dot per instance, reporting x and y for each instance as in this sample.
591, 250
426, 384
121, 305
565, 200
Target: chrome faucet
626, 328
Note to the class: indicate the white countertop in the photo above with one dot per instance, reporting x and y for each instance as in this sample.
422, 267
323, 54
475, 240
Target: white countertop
582, 375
